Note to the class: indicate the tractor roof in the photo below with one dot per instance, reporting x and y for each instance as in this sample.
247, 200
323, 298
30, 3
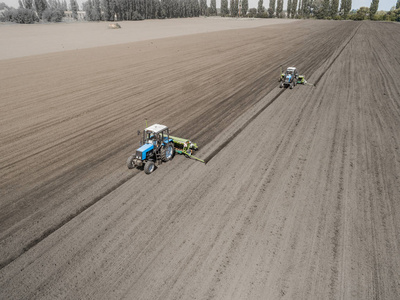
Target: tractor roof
291, 68
156, 128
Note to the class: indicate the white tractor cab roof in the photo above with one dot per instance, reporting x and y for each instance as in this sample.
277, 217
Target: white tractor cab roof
156, 128
291, 69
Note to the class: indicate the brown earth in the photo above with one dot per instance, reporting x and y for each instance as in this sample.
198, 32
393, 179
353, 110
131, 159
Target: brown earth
56, 37
299, 198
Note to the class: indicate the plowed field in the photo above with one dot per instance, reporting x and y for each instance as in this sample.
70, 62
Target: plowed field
299, 198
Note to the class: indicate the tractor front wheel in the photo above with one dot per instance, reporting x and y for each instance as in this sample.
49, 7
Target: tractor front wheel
149, 167
129, 162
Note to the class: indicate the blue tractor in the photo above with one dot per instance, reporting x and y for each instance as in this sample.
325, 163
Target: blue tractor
156, 147
290, 78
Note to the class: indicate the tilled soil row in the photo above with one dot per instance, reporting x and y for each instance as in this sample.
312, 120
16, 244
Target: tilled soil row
70, 118
302, 204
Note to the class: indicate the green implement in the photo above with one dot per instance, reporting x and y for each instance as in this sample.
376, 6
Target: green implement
185, 147
181, 142
301, 79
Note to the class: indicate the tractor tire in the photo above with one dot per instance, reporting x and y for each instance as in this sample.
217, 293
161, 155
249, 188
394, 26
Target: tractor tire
281, 85
167, 152
129, 162
291, 86
149, 167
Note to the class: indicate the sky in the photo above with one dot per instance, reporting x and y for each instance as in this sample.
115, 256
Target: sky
383, 4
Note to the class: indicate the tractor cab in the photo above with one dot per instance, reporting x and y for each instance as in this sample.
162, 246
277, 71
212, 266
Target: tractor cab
291, 72
157, 135
289, 78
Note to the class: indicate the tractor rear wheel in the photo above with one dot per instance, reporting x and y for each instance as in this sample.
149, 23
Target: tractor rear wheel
129, 162
167, 152
149, 167
291, 86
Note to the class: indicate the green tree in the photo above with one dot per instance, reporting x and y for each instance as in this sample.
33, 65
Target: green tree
21, 15
289, 8
245, 7
52, 14
325, 9
260, 7
347, 8
224, 8
361, 14
96, 12
40, 6
294, 7
52, 4
106, 8
28, 4
306, 8
271, 9
195, 8
318, 9
74, 8
334, 8
398, 4
300, 8
342, 6
279, 8
3, 6
87, 7
394, 15
373, 8
203, 7
252, 12
235, 8
213, 8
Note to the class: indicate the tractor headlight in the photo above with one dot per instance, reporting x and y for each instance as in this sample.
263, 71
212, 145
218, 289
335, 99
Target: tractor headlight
139, 155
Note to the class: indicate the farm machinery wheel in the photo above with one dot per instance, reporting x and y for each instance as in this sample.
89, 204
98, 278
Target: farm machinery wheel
167, 152
129, 162
149, 167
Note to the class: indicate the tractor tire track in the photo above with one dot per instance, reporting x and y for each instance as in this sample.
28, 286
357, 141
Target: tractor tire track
67, 219
332, 61
96, 127
309, 211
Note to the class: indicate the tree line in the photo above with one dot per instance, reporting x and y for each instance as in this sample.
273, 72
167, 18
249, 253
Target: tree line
31, 11
318, 9
110, 10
